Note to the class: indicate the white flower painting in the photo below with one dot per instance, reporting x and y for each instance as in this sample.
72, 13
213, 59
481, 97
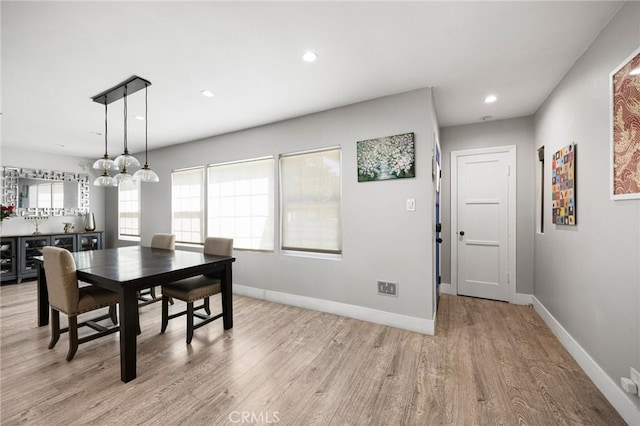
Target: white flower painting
391, 157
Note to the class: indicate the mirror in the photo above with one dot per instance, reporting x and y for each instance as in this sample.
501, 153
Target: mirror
44, 192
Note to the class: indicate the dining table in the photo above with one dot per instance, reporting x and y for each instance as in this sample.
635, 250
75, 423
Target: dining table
126, 271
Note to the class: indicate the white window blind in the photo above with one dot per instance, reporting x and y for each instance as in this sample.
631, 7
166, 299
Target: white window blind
187, 194
129, 209
311, 198
240, 203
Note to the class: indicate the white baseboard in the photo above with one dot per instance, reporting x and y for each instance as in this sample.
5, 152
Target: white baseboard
445, 288
521, 298
614, 393
420, 325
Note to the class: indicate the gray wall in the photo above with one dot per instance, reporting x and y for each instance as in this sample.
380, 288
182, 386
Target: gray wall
33, 160
519, 132
381, 240
587, 275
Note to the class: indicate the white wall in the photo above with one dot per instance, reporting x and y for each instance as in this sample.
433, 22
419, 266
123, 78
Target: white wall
519, 132
29, 159
380, 239
587, 276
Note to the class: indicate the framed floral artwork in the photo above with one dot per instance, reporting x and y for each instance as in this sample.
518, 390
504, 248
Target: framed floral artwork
390, 157
625, 129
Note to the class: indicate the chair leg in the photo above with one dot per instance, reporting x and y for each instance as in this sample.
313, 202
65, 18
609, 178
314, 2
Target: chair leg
152, 292
113, 313
55, 328
73, 337
165, 313
207, 309
189, 322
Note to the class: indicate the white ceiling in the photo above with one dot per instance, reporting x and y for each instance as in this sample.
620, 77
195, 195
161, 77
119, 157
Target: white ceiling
57, 55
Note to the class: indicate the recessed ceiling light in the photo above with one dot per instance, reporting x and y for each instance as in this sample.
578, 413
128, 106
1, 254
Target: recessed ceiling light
207, 93
139, 117
635, 71
490, 99
309, 56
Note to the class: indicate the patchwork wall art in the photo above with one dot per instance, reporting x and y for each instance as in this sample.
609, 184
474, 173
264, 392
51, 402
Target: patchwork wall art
563, 186
625, 129
390, 157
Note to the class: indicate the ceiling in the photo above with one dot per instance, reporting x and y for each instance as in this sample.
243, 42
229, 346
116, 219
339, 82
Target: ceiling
57, 55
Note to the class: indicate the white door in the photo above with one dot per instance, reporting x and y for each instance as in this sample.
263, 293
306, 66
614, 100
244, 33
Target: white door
482, 224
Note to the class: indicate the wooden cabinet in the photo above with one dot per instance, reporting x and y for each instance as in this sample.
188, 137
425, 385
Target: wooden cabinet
18, 252
68, 241
8, 259
89, 241
29, 248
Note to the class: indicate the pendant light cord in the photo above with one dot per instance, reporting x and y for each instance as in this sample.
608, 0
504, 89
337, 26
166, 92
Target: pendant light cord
126, 150
106, 129
146, 128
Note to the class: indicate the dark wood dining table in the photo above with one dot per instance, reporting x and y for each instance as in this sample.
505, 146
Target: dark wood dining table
127, 270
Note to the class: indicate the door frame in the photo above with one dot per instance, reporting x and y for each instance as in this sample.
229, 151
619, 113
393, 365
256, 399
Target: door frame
511, 240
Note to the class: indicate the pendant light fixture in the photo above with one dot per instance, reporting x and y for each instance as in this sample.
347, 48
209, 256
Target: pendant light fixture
145, 174
123, 177
126, 159
104, 163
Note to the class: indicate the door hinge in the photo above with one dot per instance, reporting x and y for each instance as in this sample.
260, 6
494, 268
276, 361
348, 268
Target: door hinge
508, 170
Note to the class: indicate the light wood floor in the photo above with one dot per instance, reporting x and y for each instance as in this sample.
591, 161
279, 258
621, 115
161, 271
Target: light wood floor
489, 363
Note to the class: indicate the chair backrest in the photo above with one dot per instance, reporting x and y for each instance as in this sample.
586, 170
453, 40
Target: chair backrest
164, 241
62, 282
218, 246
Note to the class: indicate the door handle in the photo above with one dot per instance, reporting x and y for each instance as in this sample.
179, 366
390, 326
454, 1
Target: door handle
439, 240
462, 233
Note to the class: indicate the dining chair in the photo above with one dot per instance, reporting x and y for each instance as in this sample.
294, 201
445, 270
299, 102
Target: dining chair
65, 295
190, 290
159, 241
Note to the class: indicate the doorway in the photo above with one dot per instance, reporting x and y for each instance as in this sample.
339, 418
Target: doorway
483, 223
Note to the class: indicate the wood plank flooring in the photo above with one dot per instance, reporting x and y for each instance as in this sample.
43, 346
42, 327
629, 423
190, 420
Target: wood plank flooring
489, 363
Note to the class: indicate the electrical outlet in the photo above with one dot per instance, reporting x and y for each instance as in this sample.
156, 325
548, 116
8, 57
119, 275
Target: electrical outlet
388, 288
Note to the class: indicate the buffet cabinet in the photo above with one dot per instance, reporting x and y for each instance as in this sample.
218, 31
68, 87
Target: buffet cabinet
18, 252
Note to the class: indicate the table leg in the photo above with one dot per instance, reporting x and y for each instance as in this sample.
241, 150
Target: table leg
43, 297
227, 300
128, 333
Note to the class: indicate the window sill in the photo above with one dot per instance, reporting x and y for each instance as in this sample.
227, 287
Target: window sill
312, 255
128, 238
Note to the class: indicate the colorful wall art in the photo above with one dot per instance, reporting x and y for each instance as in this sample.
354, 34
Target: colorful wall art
390, 157
625, 129
563, 186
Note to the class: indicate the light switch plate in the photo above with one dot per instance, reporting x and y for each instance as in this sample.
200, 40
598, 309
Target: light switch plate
411, 204
635, 376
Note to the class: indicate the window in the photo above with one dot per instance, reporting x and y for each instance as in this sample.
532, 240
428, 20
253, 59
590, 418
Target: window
310, 200
240, 203
129, 210
187, 194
